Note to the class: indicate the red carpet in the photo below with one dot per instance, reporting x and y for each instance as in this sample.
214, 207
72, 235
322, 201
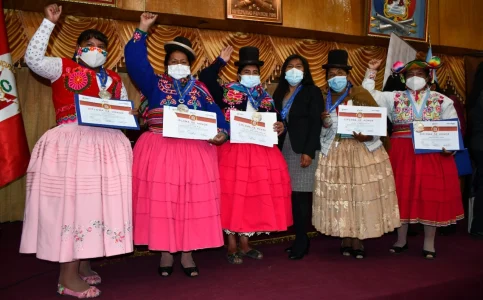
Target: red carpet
457, 273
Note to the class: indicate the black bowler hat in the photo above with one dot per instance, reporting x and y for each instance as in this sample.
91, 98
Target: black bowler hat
182, 44
249, 56
337, 59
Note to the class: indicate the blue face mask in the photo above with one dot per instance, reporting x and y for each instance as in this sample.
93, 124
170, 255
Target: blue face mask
338, 83
250, 80
294, 76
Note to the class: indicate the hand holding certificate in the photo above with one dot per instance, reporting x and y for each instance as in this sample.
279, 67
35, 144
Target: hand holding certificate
367, 120
191, 124
433, 136
253, 128
105, 113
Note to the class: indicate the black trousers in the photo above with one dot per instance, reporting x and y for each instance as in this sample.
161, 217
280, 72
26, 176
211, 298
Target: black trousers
301, 202
477, 224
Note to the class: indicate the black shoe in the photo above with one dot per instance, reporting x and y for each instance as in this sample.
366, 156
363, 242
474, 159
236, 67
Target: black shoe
397, 250
167, 270
289, 249
429, 254
359, 253
477, 234
295, 256
346, 251
189, 271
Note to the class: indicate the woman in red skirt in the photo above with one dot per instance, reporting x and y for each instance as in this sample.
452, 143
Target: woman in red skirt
427, 185
255, 183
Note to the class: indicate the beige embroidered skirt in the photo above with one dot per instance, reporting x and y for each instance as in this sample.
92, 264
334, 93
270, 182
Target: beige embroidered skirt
355, 194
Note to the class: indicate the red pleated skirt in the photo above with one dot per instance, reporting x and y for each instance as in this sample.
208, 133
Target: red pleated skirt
255, 189
427, 185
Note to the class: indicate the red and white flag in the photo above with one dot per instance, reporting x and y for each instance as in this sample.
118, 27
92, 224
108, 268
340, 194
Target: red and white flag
14, 150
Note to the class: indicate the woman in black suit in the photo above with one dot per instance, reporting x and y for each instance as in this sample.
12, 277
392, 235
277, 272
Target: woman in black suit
300, 103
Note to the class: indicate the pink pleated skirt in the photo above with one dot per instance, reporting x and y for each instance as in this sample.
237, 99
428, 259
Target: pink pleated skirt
79, 193
176, 194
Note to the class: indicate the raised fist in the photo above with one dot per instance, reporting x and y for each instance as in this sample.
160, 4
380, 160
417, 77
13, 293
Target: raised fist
53, 12
374, 64
147, 20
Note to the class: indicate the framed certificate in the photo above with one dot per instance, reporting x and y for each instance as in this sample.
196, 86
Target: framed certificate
367, 120
191, 124
253, 128
433, 136
98, 112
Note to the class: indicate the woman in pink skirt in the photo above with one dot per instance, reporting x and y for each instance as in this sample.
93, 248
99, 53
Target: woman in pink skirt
176, 189
255, 183
79, 178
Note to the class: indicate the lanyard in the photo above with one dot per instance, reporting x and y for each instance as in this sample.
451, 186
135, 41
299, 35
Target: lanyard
287, 106
102, 75
328, 102
183, 93
418, 114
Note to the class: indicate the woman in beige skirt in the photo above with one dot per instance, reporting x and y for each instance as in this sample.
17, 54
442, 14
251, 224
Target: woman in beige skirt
354, 196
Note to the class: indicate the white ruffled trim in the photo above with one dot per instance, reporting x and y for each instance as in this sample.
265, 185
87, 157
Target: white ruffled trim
248, 234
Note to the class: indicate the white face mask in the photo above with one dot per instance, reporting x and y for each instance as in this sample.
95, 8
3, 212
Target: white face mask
294, 76
250, 80
416, 83
179, 71
92, 56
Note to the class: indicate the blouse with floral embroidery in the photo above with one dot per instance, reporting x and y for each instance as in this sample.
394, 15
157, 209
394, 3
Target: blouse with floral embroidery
160, 90
233, 96
403, 110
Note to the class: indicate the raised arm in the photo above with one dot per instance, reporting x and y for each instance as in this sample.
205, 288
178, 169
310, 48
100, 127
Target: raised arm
209, 75
383, 99
136, 55
210, 105
47, 67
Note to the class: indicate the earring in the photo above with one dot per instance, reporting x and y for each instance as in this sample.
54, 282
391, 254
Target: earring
402, 79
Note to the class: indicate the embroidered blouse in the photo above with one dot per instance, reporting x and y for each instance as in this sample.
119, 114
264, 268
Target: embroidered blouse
68, 78
234, 96
404, 107
160, 90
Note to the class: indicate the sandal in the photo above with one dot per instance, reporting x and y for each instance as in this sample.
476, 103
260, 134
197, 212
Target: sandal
398, 250
92, 279
252, 253
91, 292
429, 254
189, 271
346, 251
359, 253
234, 259
163, 270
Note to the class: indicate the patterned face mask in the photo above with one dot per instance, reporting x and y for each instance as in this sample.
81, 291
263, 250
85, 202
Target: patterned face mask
92, 56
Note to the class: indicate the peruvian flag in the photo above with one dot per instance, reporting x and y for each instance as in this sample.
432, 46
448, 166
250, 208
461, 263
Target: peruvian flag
14, 150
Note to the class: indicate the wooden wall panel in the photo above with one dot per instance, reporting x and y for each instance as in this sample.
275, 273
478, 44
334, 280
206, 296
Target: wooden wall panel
139, 5
346, 16
213, 9
460, 23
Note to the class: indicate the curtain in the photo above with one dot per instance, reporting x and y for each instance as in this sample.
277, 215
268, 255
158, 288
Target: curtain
35, 94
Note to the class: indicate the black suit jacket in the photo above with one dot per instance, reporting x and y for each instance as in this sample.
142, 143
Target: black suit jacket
304, 121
